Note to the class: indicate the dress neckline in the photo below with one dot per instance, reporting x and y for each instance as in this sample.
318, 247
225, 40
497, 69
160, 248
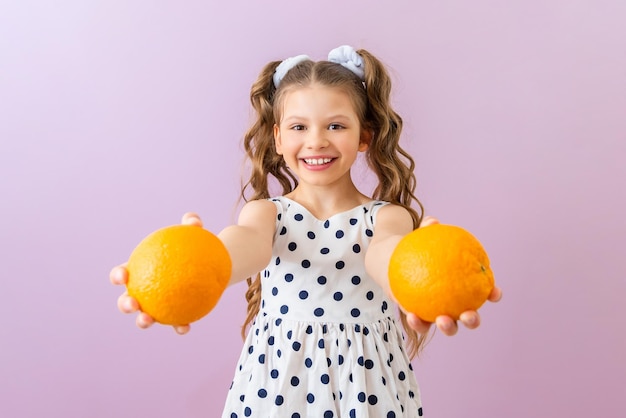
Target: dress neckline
344, 212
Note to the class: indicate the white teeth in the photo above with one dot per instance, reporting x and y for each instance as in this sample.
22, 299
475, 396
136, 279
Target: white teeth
317, 161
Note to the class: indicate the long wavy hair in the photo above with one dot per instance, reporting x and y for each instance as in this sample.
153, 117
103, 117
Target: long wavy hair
392, 165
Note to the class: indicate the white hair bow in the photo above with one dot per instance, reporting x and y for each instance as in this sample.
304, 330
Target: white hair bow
344, 55
349, 58
287, 65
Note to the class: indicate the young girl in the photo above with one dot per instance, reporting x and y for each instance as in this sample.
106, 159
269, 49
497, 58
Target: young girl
322, 336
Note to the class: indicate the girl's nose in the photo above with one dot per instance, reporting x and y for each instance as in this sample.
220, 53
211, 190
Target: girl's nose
316, 139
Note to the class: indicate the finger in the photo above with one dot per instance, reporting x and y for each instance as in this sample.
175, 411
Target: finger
470, 319
144, 320
428, 220
495, 295
447, 325
126, 304
191, 218
181, 329
421, 327
119, 274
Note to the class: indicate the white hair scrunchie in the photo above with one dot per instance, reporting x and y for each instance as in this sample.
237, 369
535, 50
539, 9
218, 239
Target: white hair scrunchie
287, 65
346, 56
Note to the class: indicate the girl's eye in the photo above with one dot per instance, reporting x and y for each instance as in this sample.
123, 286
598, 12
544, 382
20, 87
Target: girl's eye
298, 127
334, 126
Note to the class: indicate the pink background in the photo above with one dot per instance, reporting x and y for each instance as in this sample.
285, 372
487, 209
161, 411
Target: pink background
116, 117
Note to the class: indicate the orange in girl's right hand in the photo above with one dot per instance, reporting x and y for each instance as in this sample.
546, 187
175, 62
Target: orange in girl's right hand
178, 273
440, 270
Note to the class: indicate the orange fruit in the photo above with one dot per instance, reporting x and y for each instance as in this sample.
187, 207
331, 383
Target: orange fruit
178, 273
440, 270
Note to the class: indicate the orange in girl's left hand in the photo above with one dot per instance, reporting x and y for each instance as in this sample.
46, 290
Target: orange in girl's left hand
440, 270
178, 273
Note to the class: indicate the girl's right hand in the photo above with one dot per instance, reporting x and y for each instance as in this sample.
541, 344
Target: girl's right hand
128, 304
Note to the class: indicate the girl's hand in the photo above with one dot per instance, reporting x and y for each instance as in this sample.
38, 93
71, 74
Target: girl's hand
128, 304
447, 325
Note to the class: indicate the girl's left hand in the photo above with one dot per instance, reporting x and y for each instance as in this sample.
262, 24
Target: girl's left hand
446, 324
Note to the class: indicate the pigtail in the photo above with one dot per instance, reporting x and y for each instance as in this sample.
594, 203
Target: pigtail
260, 149
259, 141
393, 166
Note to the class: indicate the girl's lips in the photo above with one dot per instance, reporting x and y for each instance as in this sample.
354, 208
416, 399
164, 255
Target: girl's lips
317, 160
317, 163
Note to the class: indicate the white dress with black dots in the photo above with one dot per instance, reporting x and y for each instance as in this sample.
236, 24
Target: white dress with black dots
325, 343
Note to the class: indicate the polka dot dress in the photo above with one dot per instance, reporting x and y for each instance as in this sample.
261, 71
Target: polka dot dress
325, 343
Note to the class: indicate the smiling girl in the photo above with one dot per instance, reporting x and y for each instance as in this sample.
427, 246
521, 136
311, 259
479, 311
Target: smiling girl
321, 335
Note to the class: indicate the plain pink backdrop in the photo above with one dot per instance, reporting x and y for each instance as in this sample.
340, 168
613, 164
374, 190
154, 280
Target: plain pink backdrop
116, 117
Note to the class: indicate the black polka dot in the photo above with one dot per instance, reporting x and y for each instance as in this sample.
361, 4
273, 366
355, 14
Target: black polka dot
325, 379
303, 294
353, 221
310, 398
288, 277
311, 235
321, 280
295, 381
340, 265
369, 232
356, 280
339, 234
356, 248
279, 400
292, 246
284, 309
298, 217
324, 250
262, 393
338, 296
355, 313
318, 312
305, 264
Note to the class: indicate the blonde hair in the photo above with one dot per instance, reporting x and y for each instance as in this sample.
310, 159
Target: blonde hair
392, 165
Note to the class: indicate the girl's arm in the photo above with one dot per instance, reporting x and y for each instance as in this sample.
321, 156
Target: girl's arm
392, 223
249, 243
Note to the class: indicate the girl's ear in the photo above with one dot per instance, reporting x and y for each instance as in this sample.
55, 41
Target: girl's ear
366, 139
277, 140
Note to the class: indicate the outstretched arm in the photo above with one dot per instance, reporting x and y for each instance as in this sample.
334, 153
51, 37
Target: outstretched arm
392, 224
249, 244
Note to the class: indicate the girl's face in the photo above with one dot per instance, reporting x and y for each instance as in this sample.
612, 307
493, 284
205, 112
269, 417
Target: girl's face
319, 135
